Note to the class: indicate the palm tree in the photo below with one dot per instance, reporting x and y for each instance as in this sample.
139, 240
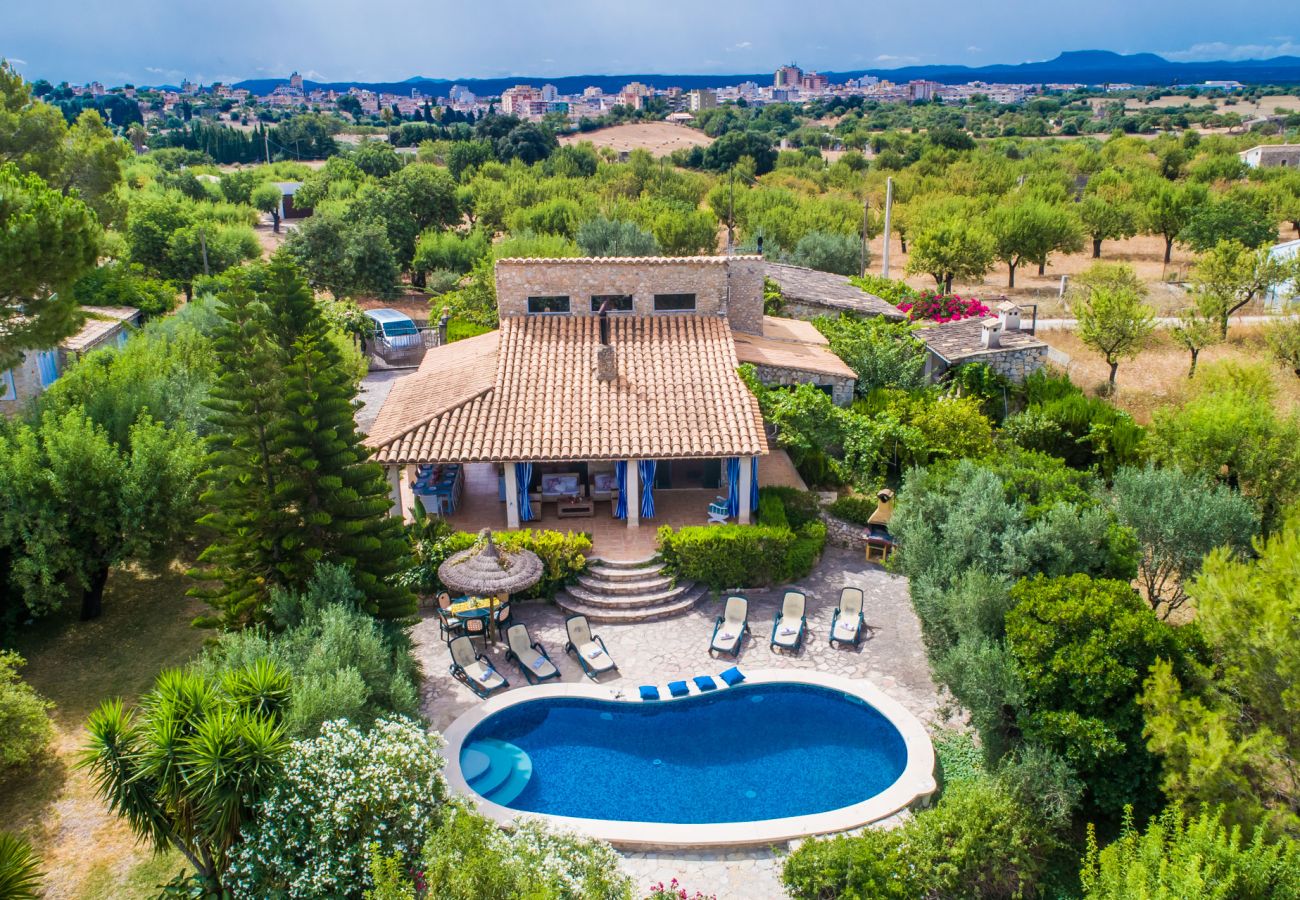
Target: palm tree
20, 874
188, 767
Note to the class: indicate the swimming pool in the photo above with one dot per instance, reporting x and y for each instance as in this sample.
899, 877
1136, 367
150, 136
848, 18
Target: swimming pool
786, 754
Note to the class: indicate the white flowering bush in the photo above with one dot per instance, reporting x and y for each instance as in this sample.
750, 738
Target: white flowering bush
342, 793
469, 858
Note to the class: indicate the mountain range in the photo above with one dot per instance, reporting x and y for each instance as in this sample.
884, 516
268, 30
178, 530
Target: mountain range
1081, 66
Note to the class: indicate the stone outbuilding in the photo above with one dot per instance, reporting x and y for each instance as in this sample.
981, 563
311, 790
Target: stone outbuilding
808, 293
1000, 342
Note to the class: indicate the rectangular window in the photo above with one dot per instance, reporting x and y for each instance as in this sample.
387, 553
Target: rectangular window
674, 302
617, 302
548, 304
7, 389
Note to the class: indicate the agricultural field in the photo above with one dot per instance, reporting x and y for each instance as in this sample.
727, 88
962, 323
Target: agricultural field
660, 138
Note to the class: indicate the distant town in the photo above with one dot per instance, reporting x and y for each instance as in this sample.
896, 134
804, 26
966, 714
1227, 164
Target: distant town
790, 84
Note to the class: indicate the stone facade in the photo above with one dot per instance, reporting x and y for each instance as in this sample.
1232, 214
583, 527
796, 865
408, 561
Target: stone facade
27, 384
1269, 155
840, 533
1014, 363
841, 389
730, 286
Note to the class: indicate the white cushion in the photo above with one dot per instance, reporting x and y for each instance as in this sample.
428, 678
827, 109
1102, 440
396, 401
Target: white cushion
845, 629
596, 657
484, 675
787, 638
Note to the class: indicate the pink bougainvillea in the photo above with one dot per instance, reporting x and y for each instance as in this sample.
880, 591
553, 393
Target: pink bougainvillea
943, 308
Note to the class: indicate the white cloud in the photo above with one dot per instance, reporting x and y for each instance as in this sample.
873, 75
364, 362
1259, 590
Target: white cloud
1214, 50
973, 49
891, 58
742, 45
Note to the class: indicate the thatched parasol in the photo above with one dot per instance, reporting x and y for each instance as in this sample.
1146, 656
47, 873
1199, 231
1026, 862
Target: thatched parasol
485, 571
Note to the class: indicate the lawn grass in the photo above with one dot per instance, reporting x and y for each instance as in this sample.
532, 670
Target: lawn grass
86, 851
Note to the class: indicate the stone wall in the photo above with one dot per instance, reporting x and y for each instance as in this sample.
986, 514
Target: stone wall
27, 384
722, 285
775, 376
840, 533
1014, 364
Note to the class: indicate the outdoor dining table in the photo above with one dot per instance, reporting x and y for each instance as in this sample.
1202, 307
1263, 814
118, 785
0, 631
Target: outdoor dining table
476, 608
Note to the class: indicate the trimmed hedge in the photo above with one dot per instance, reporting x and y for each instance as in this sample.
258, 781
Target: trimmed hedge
771, 511
801, 507
726, 556
853, 509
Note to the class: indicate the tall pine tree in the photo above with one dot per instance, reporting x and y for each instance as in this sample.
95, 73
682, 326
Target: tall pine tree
291, 482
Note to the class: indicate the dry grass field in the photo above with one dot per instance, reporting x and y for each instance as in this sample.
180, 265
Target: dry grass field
1264, 106
86, 852
1158, 376
660, 138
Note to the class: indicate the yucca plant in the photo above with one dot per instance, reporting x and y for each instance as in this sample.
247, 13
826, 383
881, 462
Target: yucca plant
20, 873
186, 769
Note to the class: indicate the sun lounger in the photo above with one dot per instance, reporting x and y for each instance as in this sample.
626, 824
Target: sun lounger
730, 627
474, 669
789, 622
529, 655
847, 623
589, 649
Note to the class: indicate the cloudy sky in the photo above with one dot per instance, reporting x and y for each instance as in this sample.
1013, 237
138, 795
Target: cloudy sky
161, 41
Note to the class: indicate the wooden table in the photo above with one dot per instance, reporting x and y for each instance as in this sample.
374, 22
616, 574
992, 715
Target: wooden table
577, 508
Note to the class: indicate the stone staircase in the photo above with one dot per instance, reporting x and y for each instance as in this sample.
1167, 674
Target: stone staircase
628, 591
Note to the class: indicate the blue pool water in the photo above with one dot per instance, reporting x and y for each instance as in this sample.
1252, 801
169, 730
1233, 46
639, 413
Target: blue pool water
742, 754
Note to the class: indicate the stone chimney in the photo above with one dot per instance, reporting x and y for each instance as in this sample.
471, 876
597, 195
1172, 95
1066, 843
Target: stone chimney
1009, 315
443, 320
990, 334
606, 360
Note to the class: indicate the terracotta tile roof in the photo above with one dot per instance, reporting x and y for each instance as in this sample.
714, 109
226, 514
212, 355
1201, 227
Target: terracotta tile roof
780, 329
961, 340
677, 394
787, 352
828, 289
622, 260
448, 377
101, 322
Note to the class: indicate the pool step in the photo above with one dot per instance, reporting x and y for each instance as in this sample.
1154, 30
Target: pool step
496, 770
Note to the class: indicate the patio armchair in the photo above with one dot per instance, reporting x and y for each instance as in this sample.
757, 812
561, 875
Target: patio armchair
529, 655
449, 625
789, 622
589, 648
730, 627
502, 618
476, 626
847, 623
473, 668
718, 511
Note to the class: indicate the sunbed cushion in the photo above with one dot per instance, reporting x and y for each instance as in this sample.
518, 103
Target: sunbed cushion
787, 635
649, 692
595, 656
705, 683
846, 629
678, 688
721, 641
732, 676
484, 675
540, 665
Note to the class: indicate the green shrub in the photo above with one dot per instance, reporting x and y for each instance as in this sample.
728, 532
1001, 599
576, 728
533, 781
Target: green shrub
801, 507
1176, 857
727, 556
888, 289
25, 729
882, 353
771, 511
976, 842
805, 551
563, 553
1062, 421
459, 329
344, 663
959, 758
853, 509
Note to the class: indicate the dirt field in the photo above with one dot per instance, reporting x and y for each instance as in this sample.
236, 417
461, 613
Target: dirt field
1158, 377
1144, 253
1265, 106
660, 138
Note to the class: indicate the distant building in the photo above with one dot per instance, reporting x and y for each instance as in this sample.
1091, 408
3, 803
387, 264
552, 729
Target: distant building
703, 99
1223, 85
922, 90
514, 100
1269, 155
550, 93
295, 81
813, 82
105, 326
790, 76
1283, 295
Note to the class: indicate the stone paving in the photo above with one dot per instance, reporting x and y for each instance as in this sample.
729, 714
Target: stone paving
892, 657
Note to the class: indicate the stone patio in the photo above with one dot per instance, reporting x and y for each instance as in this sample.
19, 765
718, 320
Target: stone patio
892, 657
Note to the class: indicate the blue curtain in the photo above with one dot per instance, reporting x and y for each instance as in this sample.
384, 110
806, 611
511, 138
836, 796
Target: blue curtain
620, 476
646, 468
47, 361
733, 486
753, 482
524, 477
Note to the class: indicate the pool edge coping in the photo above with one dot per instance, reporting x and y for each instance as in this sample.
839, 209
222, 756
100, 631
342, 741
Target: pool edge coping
915, 783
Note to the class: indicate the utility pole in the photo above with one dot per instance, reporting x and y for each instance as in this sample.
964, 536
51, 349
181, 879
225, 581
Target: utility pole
203, 245
862, 252
889, 207
731, 214
266, 142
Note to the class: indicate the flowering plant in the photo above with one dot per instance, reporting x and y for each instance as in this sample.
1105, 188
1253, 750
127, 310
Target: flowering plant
943, 307
674, 891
